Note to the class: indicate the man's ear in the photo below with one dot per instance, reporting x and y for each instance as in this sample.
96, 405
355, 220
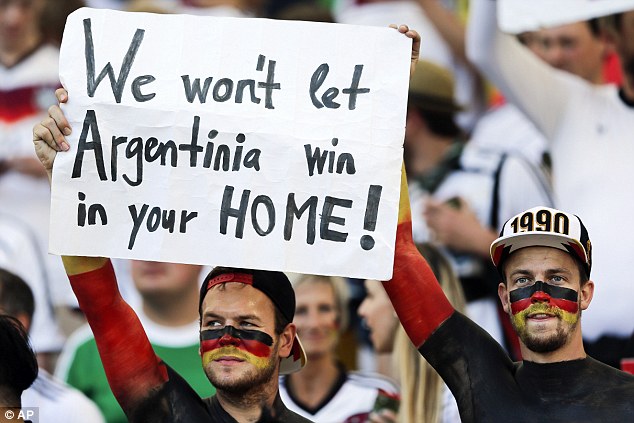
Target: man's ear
286, 340
585, 294
504, 298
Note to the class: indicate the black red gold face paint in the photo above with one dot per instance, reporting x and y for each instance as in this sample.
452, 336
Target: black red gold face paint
543, 298
564, 298
253, 346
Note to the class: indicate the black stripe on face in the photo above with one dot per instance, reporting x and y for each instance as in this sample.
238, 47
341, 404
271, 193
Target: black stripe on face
553, 291
246, 335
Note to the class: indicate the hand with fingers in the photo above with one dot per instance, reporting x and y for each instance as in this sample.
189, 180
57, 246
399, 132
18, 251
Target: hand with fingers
410, 33
49, 136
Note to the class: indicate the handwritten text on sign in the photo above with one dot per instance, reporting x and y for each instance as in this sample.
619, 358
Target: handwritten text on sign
242, 142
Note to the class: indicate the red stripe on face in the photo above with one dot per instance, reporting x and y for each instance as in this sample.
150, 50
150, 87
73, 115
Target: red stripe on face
253, 342
566, 305
256, 348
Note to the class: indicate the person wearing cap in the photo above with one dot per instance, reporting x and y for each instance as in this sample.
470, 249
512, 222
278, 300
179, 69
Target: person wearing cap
461, 193
246, 340
247, 335
588, 128
544, 259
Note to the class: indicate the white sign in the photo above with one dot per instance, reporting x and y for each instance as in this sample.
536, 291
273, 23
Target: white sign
521, 15
229, 141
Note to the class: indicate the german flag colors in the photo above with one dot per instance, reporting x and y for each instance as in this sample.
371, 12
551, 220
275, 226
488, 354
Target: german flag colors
544, 298
253, 346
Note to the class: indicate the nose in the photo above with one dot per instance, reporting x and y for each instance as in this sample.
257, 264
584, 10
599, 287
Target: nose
539, 296
227, 339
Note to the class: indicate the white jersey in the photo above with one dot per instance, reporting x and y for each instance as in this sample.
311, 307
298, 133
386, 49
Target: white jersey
20, 254
351, 400
27, 90
57, 402
504, 128
590, 133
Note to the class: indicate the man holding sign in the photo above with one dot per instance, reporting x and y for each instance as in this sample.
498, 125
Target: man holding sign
589, 129
247, 339
544, 258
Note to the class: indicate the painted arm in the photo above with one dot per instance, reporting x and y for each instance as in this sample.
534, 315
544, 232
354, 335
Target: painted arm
415, 293
133, 369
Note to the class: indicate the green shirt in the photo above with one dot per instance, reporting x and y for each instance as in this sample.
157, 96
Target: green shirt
80, 365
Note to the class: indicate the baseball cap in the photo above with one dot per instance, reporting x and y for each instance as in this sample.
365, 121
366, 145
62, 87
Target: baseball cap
274, 285
432, 88
547, 227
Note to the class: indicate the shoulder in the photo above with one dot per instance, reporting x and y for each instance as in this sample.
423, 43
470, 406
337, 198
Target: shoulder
609, 374
481, 159
56, 399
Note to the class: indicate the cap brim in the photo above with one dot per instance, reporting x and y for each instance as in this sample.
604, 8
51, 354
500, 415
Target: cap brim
296, 360
514, 242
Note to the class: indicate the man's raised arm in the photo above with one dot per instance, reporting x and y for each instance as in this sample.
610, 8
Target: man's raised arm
134, 371
417, 297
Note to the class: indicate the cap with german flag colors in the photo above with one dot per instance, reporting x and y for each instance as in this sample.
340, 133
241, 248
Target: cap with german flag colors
274, 285
543, 226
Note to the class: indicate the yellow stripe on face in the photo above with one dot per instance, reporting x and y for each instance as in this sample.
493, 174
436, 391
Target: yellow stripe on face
519, 319
234, 352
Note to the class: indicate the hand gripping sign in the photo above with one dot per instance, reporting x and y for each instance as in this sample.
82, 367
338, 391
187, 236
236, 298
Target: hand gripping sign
242, 142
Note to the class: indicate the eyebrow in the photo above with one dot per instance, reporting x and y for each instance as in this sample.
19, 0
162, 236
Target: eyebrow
526, 272
239, 317
523, 272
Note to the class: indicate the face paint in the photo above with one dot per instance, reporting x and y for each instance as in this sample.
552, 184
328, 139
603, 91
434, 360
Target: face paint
253, 346
543, 298
563, 298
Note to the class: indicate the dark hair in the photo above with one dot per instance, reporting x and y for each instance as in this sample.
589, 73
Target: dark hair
595, 27
18, 366
280, 320
611, 22
16, 296
440, 123
309, 10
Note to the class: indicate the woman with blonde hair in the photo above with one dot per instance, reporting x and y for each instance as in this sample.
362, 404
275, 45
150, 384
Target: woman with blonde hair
324, 391
424, 396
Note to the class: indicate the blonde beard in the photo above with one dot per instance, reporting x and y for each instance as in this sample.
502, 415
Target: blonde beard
555, 341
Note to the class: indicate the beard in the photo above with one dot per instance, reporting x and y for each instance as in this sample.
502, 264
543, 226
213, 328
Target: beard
252, 379
541, 343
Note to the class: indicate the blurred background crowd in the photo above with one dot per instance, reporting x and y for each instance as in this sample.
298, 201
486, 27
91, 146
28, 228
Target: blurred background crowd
487, 136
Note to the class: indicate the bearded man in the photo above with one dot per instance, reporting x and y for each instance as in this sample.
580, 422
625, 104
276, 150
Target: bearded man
544, 258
